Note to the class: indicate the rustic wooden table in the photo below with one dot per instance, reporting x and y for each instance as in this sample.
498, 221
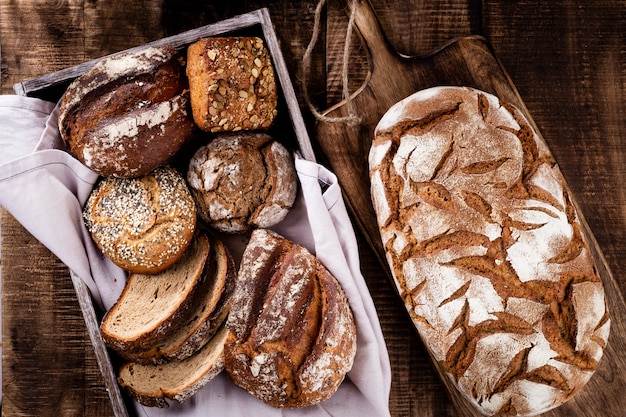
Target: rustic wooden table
567, 59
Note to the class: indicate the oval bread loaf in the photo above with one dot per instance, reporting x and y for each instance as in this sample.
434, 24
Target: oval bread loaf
142, 224
128, 113
486, 250
292, 337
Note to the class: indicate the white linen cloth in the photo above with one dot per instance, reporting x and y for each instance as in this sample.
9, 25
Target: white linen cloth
44, 188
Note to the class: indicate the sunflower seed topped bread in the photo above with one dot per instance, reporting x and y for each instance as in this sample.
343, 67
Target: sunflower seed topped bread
151, 385
232, 84
208, 311
242, 180
151, 307
128, 113
292, 337
142, 224
486, 250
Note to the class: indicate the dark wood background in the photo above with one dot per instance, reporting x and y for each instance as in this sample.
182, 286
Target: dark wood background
567, 59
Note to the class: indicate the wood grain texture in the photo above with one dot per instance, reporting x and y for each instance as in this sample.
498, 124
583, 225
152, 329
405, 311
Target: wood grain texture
45, 344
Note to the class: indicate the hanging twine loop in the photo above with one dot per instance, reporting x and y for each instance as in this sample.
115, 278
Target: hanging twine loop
352, 118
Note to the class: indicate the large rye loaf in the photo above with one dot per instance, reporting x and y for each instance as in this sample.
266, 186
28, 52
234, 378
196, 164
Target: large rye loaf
486, 250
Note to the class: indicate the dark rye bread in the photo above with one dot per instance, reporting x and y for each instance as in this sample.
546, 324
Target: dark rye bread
486, 250
152, 385
241, 181
292, 337
128, 113
210, 308
153, 306
142, 224
232, 84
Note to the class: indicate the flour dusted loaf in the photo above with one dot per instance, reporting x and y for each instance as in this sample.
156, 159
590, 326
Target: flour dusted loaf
232, 84
151, 385
128, 113
241, 181
142, 224
486, 250
292, 337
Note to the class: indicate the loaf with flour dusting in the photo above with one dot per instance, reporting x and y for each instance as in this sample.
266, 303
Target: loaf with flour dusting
128, 113
241, 181
292, 336
486, 250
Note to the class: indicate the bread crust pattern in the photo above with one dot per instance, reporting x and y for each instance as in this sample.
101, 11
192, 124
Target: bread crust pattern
292, 337
486, 250
241, 181
128, 113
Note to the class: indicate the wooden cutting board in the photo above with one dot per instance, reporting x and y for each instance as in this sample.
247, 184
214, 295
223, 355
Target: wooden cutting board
468, 61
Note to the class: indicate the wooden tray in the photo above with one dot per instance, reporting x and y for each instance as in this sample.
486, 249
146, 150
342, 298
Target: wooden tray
467, 61
289, 123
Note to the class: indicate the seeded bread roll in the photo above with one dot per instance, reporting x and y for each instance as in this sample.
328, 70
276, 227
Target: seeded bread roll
242, 181
486, 250
208, 311
142, 224
128, 113
232, 84
152, 385
151, 307
292, 337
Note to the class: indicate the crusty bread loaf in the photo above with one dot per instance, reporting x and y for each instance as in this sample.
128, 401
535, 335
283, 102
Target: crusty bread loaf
153, 306
486, 250
241, 181
232, 84
152, 385
142, 224
292, 337
207, 313
128, 113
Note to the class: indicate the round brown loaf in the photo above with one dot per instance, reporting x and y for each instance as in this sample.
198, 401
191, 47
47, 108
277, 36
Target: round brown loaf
242, 181
128, 113
292, 337
142, 224
487, 251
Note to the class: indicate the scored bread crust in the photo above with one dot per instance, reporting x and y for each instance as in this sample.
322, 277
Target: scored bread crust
128, 113
151, 385
292, 337
486, 250
142, 224
231, 199
209, 311
152, 306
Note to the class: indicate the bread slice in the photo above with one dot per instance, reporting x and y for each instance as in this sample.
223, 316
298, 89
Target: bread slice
153, 306
151, 385
209, 310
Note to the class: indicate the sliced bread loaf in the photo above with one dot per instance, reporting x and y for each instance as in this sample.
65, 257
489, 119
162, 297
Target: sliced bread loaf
151, 385
209, 310
153, 306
